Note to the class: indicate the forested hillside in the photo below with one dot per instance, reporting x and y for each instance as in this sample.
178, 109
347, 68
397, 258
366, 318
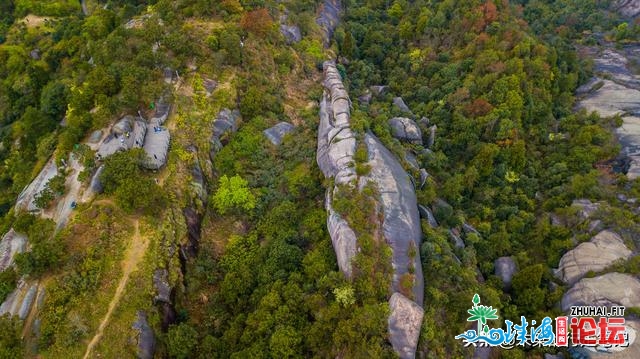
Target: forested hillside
264, 179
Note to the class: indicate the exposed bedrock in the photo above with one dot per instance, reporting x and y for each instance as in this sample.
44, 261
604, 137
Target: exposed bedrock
397, 201
628, 8
328, 19
401, 223
616, 91
607, 289
405, 321
405, 129
145, 338
11, 244
595, 255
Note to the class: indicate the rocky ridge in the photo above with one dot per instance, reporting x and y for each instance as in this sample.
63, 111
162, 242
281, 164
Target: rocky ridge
397, 202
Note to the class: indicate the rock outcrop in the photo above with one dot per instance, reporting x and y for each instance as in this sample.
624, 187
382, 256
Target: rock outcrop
145, 339
291, 33
127, 133
226, 122
405, 129
627, 8
597, 254
605, 290
405, 321
616, 91
11, 244
505, 268
397, 203
21, 300
328, 18
426, 213
586, 208
399, 103
276, 133
26, 199
401, 222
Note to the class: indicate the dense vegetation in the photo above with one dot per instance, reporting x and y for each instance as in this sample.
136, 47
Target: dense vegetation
497, 78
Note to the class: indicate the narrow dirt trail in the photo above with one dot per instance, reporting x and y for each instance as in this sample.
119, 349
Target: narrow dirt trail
134, 255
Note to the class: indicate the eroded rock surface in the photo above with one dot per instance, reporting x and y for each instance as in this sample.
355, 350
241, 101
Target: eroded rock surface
399, 103
11, 244
607, 289
226, 122
401, 224
600, 252
145, 339
405, 129
405, 321
276, 133
426, 213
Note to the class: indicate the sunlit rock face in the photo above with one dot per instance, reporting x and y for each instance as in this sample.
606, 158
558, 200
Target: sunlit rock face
595, 255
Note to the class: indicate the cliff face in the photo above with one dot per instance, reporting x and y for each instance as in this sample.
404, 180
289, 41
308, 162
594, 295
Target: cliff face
397, 201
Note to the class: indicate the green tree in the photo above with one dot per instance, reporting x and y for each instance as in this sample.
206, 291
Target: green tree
233, 194
181, 339
10, 343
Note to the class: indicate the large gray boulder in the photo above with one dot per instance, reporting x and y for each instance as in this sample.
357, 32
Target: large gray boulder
627, 8
600, 252
27, 301
336, 148
605, 290
505, 268
405, 129
11, 244
405, 322
343, 238
276, 133
423, 177
365, 98
291, 33
425, 213
401, 223
162, 286
145, 338
226, 121
398, 102
129, 132
454, 234
328, 19
95, 137
586, 208
432, 136
19, 301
